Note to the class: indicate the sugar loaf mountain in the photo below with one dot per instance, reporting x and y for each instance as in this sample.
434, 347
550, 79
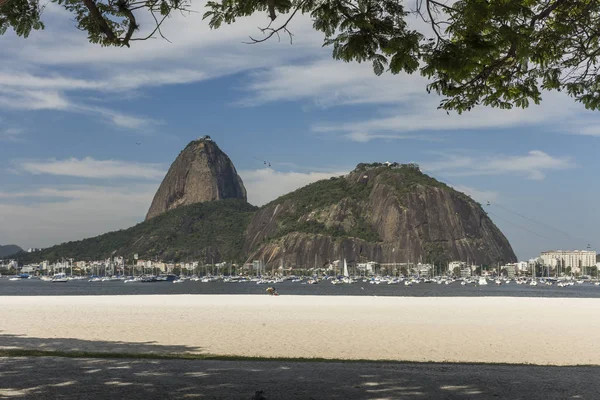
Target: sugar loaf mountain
378, 212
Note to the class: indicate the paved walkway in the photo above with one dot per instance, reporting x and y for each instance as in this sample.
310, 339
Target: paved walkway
68, 378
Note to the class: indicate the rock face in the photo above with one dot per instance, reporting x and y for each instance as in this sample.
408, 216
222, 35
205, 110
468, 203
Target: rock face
201, 172
387, 214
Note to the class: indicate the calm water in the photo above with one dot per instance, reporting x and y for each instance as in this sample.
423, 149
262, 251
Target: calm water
34, 287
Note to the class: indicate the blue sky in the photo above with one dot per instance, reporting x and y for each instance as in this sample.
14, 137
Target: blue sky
71, 114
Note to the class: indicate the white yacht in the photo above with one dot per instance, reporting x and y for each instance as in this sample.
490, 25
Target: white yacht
61, 278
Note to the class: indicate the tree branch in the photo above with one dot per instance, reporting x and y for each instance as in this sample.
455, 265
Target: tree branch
102, 24
276, 31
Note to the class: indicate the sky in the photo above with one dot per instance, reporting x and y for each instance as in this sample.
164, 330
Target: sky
72, 115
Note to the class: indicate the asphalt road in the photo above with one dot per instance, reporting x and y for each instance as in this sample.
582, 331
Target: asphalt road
70, 378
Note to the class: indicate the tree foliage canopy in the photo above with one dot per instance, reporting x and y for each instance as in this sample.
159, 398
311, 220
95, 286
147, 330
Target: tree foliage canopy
499, 53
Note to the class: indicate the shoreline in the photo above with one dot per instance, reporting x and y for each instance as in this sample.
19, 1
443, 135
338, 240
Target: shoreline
505, 330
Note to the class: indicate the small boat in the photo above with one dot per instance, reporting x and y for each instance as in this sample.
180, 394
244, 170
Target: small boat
16, 278
61, 278
498, 282
463, 283
533, 283
178, 281
482, 281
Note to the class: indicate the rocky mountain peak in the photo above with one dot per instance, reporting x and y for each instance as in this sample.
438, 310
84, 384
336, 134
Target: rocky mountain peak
201, 172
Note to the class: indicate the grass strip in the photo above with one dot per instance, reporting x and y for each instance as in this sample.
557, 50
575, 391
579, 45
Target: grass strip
215, 357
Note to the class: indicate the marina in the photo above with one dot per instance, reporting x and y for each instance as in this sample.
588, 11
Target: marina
330, 286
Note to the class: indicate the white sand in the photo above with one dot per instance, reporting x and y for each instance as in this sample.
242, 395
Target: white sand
462, 329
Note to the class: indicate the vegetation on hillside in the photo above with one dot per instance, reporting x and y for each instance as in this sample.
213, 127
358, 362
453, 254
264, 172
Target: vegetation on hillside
9, 250
318, 196
211, 231
215, 231
325, 193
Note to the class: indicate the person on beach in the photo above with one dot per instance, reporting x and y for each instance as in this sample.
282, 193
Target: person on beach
272, 291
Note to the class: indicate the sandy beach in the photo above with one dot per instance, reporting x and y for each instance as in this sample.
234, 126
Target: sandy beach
547, 331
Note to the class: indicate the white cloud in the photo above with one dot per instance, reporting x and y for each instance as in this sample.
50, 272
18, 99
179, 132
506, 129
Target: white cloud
589, 130
89, 167
32, 99
117, 118
481, 196
11, 135
30, 79
363, 137
75, 212
328, 82
533, 165
421, 114
264, 185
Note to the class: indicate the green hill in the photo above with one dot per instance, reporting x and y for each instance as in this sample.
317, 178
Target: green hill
211, 231
9, 250
388, 213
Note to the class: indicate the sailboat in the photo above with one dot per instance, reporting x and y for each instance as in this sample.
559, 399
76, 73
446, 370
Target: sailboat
482, 279
347, 278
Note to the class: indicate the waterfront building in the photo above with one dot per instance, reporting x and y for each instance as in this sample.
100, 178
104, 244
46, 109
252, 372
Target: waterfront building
368, 267
523, 266
465, 271
511, 269
456, 264
577, 260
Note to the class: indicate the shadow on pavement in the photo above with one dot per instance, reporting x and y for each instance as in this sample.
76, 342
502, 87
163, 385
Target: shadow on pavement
80, 378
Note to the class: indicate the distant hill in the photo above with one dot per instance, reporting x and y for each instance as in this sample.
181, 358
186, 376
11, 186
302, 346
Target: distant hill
9, 250
203, 231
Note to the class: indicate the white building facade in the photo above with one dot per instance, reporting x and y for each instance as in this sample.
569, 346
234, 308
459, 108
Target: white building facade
575, 259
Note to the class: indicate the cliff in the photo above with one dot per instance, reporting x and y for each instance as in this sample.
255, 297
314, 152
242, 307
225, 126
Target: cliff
201, 172
376, 213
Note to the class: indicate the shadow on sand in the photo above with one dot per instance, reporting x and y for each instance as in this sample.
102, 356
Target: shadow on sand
118, 378
8, 341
